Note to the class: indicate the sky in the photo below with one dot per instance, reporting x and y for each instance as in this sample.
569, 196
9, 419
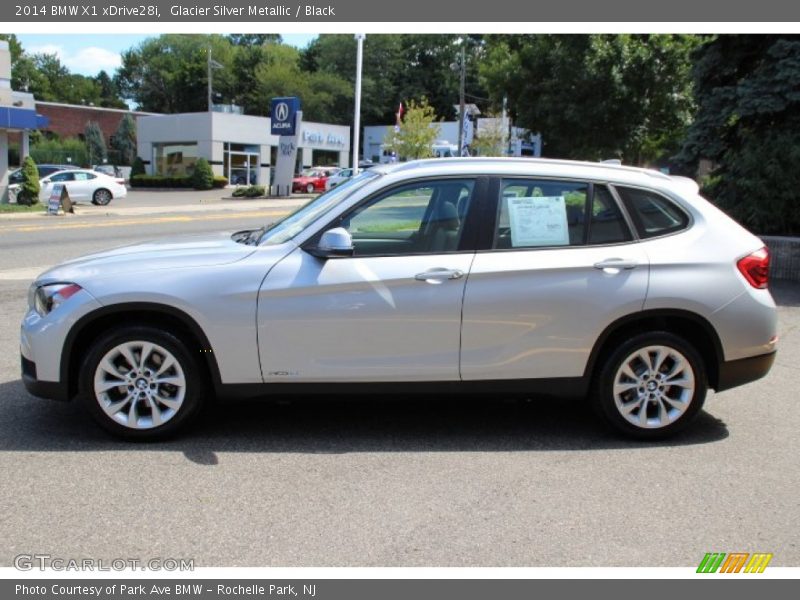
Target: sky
89, 54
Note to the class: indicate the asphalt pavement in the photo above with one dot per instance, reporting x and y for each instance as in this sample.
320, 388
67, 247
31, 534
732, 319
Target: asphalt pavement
377, 482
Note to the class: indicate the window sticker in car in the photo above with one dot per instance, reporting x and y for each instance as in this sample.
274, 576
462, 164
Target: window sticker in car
538, 221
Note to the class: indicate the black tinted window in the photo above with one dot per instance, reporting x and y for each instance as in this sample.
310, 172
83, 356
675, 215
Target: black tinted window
652, 213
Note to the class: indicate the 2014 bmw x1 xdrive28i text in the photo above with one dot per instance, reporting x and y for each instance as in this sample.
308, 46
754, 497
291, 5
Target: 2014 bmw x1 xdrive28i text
450, 275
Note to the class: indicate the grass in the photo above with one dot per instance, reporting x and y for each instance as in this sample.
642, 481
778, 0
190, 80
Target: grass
21, 208
389, 227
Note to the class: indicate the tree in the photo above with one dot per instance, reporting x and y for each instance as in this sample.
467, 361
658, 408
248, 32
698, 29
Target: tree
137, 168
489, 137
596, 96
202, 176
417, 133
95, 143
124, 141
254, 39
747, 89
29, 188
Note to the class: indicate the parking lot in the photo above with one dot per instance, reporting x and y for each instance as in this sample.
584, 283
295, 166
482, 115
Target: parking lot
377, 482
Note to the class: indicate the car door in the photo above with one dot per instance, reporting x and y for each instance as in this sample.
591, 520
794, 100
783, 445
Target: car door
392, 311
67, 178
560, 266
83, 186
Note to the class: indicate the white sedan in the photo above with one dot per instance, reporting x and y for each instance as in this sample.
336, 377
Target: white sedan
337, 178
83, 184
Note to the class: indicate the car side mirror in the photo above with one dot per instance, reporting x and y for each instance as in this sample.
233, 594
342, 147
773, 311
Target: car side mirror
334, 243
45, 181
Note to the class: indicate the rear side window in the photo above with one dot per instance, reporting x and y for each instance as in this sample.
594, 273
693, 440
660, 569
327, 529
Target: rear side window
539, 213
607, 224
652, 213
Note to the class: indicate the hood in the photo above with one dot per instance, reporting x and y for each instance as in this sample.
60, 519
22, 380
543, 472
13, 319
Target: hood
175, 253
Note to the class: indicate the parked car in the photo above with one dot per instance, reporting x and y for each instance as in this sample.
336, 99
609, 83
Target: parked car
312, 180
15, 177
84, 184
492, 276
339, 177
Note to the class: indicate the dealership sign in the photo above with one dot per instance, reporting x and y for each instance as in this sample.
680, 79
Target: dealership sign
283, 115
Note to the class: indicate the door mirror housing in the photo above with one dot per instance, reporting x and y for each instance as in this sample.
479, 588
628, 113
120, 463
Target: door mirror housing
334, 243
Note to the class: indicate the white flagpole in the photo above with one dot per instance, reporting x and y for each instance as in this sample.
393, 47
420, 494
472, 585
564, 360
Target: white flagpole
357, 117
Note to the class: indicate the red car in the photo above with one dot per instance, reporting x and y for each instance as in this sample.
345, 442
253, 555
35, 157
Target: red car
312, 180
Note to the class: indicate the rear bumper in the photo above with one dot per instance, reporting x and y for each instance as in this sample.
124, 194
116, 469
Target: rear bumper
51, 390
734, 373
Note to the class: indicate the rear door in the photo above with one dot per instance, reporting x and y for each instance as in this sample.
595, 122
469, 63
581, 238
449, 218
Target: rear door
560, 265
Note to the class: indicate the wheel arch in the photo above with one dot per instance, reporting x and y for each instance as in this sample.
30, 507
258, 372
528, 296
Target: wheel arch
94, 324
692, 327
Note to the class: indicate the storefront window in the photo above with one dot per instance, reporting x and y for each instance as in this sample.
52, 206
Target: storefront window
174, 159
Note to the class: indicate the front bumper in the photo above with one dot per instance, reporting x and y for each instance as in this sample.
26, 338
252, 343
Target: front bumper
51, 390
734, 373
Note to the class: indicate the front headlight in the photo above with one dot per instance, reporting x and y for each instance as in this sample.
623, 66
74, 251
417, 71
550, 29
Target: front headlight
47, 298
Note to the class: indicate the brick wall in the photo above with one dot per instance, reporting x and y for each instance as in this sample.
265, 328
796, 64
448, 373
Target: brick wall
70, 121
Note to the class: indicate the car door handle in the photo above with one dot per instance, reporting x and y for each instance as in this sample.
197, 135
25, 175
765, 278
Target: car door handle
439, 275
615, 265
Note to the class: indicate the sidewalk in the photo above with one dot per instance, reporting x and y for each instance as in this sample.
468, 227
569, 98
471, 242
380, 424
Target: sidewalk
127, 207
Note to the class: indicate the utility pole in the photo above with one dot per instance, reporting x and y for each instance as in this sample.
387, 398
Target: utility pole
461, 92
357, 116
505, 127
212, 64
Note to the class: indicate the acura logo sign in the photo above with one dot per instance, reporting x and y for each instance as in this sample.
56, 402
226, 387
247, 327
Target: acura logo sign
282, 111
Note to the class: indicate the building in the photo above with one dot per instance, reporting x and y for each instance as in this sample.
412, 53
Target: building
69, 120
520, 143
18, 116
239, 147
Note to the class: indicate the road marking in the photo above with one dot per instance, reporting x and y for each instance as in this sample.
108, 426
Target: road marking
141, 221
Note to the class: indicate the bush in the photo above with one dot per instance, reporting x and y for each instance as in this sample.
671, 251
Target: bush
29, 188
251, 191
57, 151
137, 168
202, 176
220, 181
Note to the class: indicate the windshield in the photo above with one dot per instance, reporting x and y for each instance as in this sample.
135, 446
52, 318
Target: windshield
288, 227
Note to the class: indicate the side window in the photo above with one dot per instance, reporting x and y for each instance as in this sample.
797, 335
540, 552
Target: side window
538, 213
84, 176
652, 213
607, 225
61, 177
426, 217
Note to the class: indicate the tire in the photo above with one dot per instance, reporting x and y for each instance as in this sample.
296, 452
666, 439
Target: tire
24, 199
127, 410
628, 381
101, 197
310, 188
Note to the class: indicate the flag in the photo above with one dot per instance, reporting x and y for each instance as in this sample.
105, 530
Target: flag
399, 117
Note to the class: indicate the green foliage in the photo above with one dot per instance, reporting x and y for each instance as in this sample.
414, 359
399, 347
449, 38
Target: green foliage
124, 142
596, 96
138, 167
417, 132
202, 176
166, 181
55, 151
95, 142
251, 191
29, 188
747, 89
488, 139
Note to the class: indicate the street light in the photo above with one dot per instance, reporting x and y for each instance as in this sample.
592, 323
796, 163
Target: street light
212, 64
357, 117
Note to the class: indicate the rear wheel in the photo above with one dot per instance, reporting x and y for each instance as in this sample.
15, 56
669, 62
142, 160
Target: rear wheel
651, 386
141, 383
101, 197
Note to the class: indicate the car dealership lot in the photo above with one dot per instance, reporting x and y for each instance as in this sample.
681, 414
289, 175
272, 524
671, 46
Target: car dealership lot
449, 482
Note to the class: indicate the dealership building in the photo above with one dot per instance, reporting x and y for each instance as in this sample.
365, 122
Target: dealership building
239, 147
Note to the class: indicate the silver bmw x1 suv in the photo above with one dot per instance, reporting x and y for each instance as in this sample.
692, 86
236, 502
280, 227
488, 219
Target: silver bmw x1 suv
490, 276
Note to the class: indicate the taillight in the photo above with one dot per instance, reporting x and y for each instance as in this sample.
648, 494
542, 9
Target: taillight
755, 268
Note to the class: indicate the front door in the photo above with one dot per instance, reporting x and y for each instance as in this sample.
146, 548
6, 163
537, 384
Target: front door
392, 311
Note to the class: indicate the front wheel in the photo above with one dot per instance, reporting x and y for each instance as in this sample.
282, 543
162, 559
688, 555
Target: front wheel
310, 188
101, 197
651, 386
141, 383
